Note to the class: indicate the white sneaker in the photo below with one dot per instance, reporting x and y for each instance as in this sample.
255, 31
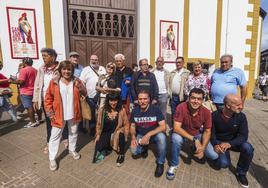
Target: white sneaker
53, 165
75, 155
171, 173
30, 124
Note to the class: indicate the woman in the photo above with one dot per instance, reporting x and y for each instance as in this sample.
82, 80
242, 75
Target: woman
62, 105
112, 129
197, 79
107, 83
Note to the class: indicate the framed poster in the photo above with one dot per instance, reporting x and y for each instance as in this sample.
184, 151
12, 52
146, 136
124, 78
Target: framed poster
22, 32
169, 40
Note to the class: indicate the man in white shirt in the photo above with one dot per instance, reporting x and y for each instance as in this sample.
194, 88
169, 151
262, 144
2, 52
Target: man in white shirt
162, 78
177, 80
90, 76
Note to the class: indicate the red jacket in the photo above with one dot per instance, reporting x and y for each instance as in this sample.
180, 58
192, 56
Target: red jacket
53, 102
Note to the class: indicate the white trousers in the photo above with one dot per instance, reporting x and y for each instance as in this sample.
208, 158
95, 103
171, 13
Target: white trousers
55, 138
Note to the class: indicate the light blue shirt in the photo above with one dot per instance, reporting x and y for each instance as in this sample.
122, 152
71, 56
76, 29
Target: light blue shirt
223, 83
77, 70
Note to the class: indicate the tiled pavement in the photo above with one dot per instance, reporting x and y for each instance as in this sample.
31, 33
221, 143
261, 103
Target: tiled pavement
23, 164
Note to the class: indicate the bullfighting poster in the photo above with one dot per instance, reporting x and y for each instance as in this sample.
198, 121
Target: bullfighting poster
22, 32
169, 34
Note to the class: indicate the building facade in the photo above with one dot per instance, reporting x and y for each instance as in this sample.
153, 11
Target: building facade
197, 30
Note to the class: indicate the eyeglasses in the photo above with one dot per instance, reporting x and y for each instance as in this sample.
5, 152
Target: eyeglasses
94, 60
179, 62
110, 67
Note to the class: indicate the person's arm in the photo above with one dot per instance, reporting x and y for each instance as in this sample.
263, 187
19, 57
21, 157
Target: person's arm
242, 134
206, 137
243, 92
19, 82
180, 131
161, 128
134, 142
36, 90
155, 89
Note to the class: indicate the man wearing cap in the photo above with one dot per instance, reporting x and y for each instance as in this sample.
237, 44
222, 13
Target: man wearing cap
74, 58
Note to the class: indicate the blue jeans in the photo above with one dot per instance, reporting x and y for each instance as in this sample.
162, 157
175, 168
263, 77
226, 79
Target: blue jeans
246, 154
5, 105
176, 143
174, 102
161, 144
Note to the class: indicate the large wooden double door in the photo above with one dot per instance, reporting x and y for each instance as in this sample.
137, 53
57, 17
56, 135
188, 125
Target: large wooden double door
104, 28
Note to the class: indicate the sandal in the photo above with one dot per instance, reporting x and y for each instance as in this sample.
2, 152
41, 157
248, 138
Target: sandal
66, 143
46, 150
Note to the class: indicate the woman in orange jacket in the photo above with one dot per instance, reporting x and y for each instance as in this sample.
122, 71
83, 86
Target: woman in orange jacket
62, 104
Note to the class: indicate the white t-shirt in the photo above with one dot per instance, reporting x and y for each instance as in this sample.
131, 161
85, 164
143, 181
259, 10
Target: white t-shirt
176, 82
160, 78
47, 79
90, 78
67, 97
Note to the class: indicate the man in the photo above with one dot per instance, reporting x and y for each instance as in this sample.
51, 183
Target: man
148, 126
177, 81
162, 78
74, 58
90, 76
192, 122
230, 132
226, 80
144, 80
26, 81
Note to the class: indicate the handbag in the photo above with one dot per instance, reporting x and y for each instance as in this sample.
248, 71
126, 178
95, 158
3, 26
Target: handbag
85, 108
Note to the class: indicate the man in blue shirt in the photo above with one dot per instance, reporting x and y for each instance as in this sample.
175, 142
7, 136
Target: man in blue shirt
226, 80
230, 132
148, 126
74, 58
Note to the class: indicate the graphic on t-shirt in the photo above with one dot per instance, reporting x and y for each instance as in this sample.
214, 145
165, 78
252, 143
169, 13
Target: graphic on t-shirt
145, 122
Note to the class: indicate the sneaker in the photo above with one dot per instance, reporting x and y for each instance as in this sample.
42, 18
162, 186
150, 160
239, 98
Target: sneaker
75, 155
171, 172
99, 157
120, 160
53, 165
30, 124
242, 180
159, 170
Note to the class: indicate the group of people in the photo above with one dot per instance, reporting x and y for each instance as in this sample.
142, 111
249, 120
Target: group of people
131, 105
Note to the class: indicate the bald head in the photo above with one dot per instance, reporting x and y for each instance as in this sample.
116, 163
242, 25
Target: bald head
233, 103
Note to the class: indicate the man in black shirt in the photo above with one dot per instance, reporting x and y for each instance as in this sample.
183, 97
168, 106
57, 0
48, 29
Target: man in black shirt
230, 132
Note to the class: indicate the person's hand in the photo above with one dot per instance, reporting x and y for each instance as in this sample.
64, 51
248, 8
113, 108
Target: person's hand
35, 106
154, 101
218, 149
224, 146
97, 139
198, 146
127, 82
145, 140
134, 143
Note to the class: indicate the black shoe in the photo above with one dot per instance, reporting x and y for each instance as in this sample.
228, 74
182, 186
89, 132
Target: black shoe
242, 180
83, 130
144, 154
159, 170
120, 160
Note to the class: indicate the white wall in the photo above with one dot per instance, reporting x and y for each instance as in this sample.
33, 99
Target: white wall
234, 31
202, 29
58, 28
171, 10
11, 65
143, 30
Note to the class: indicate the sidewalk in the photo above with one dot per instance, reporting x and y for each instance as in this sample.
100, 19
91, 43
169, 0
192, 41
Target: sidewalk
23, 164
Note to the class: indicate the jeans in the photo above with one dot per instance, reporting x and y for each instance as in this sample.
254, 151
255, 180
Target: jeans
7, 106
93, 106
162, 103
176, 143
160, 140
174, 102
246, 154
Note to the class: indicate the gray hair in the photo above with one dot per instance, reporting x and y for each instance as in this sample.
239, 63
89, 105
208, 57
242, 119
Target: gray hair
121, 56
198, 63
227, 55
50, 51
